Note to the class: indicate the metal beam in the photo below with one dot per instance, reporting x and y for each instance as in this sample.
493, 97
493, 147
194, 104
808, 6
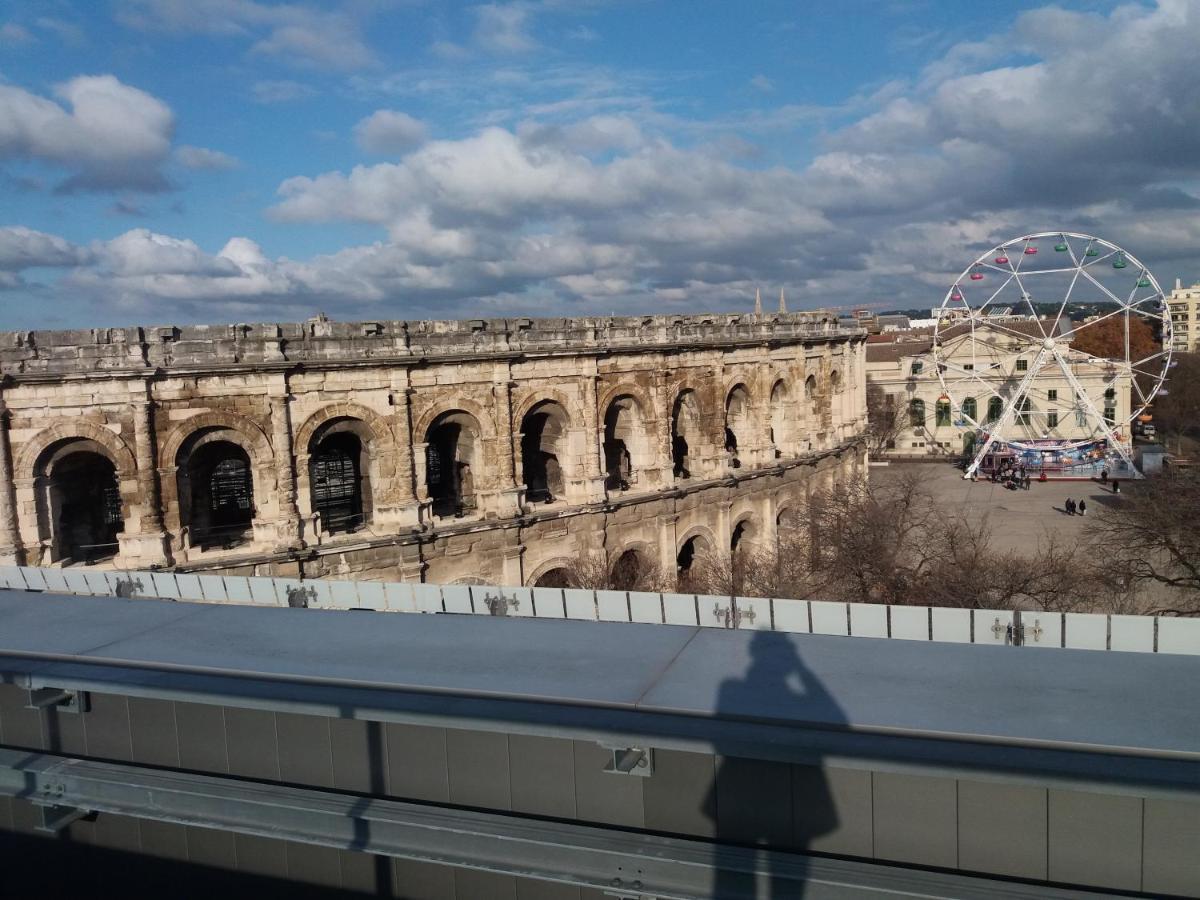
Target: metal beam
616, 862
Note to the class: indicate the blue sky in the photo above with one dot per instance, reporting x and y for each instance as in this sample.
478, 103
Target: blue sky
245, 160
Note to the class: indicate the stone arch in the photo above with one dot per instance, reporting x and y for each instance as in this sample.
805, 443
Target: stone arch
687, 431
116, 449
483, 419
782, 416
454, 461
738, 422
81, 498
626, 388
631, 567
381, 430
626, 440
223, 477
698, 542
253, 439
539, 396
554, 564
543, 457
349, 478
744, 533
835, 382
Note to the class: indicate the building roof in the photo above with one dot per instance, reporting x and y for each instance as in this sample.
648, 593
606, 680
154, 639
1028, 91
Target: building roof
894, 351
650, 680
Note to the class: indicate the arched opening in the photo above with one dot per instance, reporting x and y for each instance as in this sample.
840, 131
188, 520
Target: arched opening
543, 447
625, 443
811, 396
735, 539
685, 433
216, 490
451, 453
995, 409
781, 422
737, 422
79, 501
339, 475
627, 571
555, 578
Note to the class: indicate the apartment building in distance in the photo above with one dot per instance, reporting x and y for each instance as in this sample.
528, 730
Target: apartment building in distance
1184, 304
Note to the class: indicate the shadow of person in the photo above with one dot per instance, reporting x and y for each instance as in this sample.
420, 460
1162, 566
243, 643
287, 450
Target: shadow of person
772, 805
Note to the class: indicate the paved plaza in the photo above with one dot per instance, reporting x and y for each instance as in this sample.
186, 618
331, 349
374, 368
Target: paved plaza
1019, 519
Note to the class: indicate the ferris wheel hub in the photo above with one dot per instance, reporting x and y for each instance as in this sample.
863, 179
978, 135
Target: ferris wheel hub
1048, 343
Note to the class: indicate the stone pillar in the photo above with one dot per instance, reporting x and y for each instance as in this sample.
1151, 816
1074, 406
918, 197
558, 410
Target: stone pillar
593, 441
148, 545
503, 498
12, 552
288, 526
402, 492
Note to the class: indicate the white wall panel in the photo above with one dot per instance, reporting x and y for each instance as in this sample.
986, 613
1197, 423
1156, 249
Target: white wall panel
1132, 633
679, 609
791, 615
828, 618
645, 607
868, 620
1178, 635
910, 623
951, 625
1086, 632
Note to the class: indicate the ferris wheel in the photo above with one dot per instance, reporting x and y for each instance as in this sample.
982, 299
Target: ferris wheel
1050, 346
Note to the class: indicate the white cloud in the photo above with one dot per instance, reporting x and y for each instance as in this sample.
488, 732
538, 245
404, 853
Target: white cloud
112, 135
24, 248
762, 83
294, 33
387, 131
504, 27
204, 159
596, 200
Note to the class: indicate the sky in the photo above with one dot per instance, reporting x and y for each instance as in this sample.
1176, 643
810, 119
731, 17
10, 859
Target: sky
182, 161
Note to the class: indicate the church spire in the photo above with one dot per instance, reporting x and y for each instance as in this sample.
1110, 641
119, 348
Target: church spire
782, 302
757, 302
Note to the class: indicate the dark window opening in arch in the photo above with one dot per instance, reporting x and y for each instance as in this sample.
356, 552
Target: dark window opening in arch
995, 409
627, 572
222, 495
85, 493
449, 454
735, 539
737, 421
686, 556
336, 479
685, 424
555, 578
618, 461
541, 470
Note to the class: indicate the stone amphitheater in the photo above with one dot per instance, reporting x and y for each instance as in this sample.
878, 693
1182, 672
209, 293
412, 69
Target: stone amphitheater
477, 451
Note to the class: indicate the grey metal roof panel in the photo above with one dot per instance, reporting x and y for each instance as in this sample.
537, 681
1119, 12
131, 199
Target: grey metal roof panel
1129, 703
550, 660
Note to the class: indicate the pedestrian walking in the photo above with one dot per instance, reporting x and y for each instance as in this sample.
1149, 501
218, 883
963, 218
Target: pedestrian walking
1116, 486
1104, 476
1070, 506
1083, 507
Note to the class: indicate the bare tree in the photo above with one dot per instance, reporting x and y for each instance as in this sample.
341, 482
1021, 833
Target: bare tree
1150, 537
886, 419
1178, 413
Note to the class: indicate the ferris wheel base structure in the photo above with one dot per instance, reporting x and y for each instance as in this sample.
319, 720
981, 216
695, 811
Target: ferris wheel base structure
1056, 461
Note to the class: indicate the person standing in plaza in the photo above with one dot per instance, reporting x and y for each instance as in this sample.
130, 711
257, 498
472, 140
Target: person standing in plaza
1083, 507
1069, 506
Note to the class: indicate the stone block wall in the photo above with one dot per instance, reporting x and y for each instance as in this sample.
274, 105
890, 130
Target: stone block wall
544, 438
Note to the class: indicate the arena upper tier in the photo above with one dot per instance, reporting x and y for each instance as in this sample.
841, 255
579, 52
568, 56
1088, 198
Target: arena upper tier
496, 450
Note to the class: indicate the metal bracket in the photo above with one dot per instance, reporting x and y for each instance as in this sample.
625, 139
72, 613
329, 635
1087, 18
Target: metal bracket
631, 761
57, 698
56, 818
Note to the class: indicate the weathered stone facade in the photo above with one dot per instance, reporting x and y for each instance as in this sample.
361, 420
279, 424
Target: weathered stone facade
497, 450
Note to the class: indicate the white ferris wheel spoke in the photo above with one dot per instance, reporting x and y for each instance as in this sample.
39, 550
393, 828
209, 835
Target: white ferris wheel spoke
1083, 396
1074, 279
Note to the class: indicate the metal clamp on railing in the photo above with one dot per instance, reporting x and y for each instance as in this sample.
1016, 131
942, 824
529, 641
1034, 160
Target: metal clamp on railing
630, 761
57, 698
